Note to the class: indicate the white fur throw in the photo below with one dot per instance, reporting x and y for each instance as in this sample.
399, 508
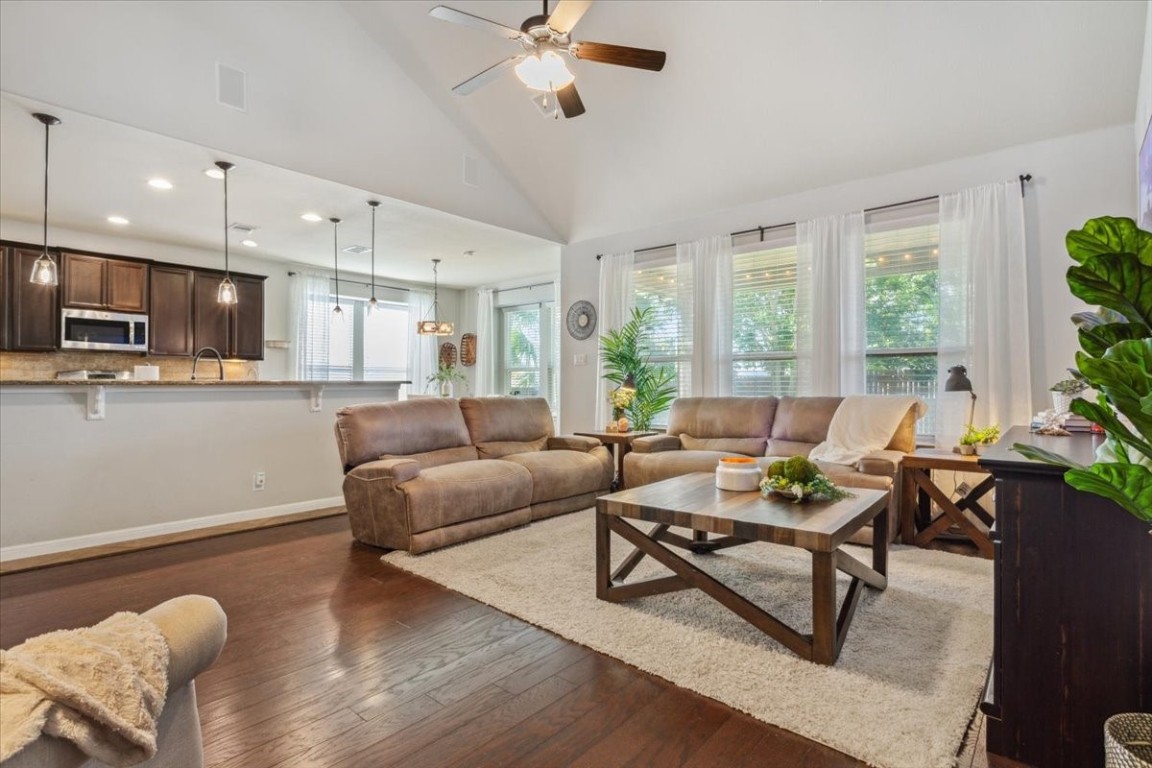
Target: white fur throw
100, 687
863, 424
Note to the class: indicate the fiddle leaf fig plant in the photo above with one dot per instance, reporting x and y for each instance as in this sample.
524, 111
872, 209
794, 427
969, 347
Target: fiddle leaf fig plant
1114, 269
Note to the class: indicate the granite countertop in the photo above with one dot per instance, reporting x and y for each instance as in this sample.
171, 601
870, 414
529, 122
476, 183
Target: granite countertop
190, 383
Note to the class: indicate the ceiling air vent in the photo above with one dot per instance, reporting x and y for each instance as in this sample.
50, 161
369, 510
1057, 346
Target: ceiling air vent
471, 171
244, 229
231, 87
356, 250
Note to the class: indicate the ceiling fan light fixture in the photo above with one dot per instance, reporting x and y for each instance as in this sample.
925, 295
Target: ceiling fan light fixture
546, 72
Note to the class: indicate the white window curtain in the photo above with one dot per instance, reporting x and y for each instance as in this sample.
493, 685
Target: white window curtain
310, 336
486, 346
422, 349
615, 309
704, 295
830, 323
984, 306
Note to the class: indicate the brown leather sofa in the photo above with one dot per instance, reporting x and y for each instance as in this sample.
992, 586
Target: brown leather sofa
702, 430
423, 474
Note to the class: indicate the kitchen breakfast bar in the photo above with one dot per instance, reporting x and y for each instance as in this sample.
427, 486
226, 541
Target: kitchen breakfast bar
85, 463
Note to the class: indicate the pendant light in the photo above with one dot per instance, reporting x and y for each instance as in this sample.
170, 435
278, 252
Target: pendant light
372, 301
44, 268
337, 312
434, 327
226, 293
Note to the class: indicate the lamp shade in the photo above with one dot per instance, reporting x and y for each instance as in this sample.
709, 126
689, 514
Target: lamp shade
544, 73
958, 380
44, 268
433, 326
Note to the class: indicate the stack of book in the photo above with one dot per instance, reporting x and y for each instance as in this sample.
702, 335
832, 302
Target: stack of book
1076, 423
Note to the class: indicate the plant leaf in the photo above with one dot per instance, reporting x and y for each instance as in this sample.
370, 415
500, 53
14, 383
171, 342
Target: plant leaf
1129, 485
1048, 457
1117, 281
1097, 339
1100, 316
1108, 234
1103, 415
1124, 376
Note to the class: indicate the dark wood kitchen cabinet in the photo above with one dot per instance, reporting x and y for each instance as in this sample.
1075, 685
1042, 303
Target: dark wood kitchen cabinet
1072, 620
96, 282
170, 321
237, 330
31, 312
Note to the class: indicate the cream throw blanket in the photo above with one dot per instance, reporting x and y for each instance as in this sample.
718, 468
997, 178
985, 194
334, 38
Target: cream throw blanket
101, 687
863, 424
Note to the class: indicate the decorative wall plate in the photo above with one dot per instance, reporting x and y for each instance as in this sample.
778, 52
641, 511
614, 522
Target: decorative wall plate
448, 354
468, 349
581, 319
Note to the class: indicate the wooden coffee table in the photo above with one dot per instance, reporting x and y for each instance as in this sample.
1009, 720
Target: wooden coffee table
694, 502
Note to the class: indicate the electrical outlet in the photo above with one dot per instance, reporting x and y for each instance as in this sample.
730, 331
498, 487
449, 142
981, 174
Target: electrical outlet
258, 481
963, 489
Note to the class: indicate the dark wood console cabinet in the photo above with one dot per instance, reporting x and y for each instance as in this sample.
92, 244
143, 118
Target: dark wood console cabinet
1073, 611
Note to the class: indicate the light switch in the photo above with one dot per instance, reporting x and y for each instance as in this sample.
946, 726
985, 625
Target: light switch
580, 360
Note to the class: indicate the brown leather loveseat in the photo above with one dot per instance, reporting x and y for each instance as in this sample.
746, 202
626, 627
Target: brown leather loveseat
702, 430
423, 474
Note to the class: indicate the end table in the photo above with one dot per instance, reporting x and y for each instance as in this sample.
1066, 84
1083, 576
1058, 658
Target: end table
622, 443
919, 491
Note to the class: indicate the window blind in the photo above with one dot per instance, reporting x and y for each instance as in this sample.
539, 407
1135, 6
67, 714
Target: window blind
764, 316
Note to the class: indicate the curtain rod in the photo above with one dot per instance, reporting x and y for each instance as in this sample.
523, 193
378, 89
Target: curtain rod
1024, 178
525, 287
367, 285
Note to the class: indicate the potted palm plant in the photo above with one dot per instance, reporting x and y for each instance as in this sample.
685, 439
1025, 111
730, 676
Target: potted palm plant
626, 354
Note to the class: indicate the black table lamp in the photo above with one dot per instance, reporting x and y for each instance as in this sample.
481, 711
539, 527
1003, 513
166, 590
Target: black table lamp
958, 381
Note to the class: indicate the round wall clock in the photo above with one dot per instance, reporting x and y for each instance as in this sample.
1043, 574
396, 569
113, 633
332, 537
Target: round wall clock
581, 319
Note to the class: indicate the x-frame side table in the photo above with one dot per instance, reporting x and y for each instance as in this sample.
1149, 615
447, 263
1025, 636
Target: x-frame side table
919, 491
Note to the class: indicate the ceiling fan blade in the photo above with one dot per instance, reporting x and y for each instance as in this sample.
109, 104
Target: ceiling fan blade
485, 77
444, 13
570, 103
622, 55
566, 14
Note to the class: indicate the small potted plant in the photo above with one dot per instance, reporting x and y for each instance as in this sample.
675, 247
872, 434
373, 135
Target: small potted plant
975, 440
1064, 392
446, 376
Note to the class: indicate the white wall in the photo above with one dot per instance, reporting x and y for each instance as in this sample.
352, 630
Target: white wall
277, 288
1074, 178
1144, 90
164, 459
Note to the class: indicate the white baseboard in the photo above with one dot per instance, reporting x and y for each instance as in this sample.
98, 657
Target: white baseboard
54, 546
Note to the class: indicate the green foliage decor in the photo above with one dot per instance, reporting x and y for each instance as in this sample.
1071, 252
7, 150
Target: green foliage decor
976, 436
1114, 269
625, 352
799, 479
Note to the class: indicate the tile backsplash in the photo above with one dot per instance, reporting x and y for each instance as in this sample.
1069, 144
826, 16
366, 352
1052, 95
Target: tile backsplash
37, 366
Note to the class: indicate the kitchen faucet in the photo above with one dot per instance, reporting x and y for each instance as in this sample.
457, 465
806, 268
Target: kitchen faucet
211, 350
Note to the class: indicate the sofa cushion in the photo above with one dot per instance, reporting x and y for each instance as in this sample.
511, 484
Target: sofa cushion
501, 448
748, 446
452, 493
804, 419
442, 456
507, 419
645, 468
787, 448
560, 474
722, 417
367, 432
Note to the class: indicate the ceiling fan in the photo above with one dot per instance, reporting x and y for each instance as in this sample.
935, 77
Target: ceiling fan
544, 38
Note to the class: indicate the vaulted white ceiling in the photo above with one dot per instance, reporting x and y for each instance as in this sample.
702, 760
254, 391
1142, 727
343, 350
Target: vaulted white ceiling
758, 99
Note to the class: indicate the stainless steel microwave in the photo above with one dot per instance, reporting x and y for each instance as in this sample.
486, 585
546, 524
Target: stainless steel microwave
94, 329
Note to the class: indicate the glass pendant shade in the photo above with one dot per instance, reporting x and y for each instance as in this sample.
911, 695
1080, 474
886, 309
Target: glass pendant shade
546, 72
44, 268
435, 327
226, 293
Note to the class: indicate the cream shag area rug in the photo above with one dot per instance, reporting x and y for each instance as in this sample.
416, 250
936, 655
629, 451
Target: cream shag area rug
900, 695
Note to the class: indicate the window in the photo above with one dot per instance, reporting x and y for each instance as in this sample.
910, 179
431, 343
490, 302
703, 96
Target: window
362, 346
764, 316
902, 304
655, 288
529, 352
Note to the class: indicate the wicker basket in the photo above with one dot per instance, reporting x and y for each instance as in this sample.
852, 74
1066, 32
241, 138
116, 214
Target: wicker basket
1128, 740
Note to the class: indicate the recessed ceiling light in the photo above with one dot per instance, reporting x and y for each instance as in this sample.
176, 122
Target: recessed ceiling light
313, 217
249, 243
214, 173
159, 183
117, 220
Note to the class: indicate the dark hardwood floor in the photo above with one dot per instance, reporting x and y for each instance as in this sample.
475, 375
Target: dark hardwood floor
335, 659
